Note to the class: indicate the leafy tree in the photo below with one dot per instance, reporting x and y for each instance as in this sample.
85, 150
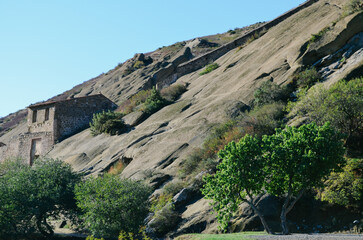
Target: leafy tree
297, 159
346, 187
286, 163
35, 193
239, 177
341, 104
107, 122
111, 205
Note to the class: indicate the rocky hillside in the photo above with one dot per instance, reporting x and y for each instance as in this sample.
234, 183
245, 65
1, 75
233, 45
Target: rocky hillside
155, 149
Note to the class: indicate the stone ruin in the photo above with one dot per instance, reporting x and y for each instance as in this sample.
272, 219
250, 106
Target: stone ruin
53, 121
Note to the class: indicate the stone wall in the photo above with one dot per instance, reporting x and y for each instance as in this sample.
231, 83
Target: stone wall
21, 145
40, 119
171, 74
74, 115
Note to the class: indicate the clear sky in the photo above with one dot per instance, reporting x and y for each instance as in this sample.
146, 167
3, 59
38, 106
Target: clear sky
49, 46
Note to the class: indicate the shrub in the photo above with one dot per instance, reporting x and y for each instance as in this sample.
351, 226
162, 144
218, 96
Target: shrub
172, 92
270, 92
139, 64
352, 6
130, 105
173, 187
341, 104
117, 168
209, 68
267, 118
107, 122
319, 35
111, 204
307, 78
29, 196
164, 220
160, 201
346, 187
154, 102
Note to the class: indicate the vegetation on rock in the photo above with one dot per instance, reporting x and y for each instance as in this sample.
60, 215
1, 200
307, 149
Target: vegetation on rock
341, 104
209, 68
30, 195
345, 187
110, 204
107, 122
286, 163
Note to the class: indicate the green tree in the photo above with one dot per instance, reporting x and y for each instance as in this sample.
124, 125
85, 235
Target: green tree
107, 122
239, 177
111, 205
285, 164
341, 104
297, 159
35, 193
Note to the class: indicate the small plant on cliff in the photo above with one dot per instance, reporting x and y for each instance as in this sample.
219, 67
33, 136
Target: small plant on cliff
307, 78
154, 102
209, 68
270, 92
172, 92
107, 122
111, 205
352, 6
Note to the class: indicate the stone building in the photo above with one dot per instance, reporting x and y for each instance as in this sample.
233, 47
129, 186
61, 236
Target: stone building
51, 122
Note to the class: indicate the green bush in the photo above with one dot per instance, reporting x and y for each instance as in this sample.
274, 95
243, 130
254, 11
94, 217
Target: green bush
264, 120
164, 220
30, 195
270, 92
139, 64
307, 78
352, 6
107, 122
154, 102
209, 68
131, 104
341, 105
319, 35
111, 204
172, 92
346, 187
160, 201
172, 188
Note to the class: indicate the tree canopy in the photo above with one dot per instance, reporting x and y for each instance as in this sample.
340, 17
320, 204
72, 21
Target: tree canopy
35, 192
285, 164
111, 204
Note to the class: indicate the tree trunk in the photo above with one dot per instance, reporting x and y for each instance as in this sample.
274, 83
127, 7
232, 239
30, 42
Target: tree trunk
285, 228
49, 231
286, 208
263, 221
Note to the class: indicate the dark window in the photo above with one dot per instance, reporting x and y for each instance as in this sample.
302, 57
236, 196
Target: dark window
46, 116
34, 116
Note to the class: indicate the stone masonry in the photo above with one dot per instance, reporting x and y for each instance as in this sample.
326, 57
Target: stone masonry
51, 122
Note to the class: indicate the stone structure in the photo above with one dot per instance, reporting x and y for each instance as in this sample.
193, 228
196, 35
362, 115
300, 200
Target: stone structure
53, 121
170, 74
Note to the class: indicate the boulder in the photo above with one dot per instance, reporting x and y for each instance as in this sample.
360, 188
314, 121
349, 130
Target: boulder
134, 118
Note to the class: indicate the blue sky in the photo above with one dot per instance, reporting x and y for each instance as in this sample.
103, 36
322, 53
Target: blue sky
47, 47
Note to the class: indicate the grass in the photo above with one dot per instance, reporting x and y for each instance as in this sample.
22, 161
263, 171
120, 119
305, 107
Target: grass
228, 236
209, 68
